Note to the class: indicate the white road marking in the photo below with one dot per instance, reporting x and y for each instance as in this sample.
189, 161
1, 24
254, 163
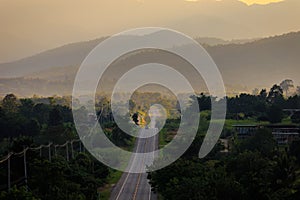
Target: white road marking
127, 175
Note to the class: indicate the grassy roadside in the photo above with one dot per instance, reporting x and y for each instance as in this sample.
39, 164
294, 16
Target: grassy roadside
114, 175
113, 178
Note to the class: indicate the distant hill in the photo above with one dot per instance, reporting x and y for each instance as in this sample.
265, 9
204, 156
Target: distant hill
72, 55
68, 55
211, 41
244, 64
260, 63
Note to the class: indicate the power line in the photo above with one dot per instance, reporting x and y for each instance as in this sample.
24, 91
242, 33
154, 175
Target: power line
23, 154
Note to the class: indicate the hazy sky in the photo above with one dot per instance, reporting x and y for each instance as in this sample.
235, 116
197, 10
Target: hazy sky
31, 26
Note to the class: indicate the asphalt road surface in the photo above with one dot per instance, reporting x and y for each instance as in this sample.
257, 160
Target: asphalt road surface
135, 186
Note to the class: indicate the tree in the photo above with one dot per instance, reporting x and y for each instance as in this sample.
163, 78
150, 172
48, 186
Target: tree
286, 85
17, 193
56, 180
119, 137
254, 173
104, 114
32, 128
10, 103
263, 142
275, 95
284, 173
191, 179
55, 117
41, 113
294, 149
78, 179
26, 107
204, 102
263, 94
275, 114
293, 102
3, 124
20, 142
296, 118
298, 90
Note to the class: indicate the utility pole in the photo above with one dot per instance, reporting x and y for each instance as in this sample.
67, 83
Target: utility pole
67, 151
41, 151
8, 172
49, 151
25, 167
80, 146
72, 152
55, 150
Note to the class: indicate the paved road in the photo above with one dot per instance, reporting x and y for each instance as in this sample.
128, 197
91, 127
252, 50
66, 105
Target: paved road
135, 186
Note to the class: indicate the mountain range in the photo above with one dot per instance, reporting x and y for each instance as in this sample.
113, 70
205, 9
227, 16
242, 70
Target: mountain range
244, 65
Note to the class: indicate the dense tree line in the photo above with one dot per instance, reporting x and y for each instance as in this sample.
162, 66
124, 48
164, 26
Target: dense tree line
78, 179
264, 106
255, 169
35, 121
27, 118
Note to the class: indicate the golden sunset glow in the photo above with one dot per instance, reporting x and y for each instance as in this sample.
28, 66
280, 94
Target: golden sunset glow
249, 2
31, 26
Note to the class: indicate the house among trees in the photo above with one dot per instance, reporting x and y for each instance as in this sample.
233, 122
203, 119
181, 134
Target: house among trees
245, 131
283, 134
